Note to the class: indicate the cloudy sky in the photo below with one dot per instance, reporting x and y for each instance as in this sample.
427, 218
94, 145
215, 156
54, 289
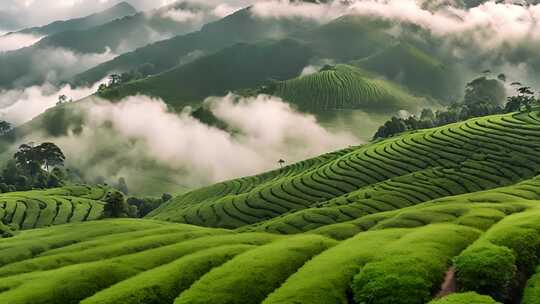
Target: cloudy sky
22, 13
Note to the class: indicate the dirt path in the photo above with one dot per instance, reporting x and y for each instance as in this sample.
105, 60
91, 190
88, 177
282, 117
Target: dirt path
449, 285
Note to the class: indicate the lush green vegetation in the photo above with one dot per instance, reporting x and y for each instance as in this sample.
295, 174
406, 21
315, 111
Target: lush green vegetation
345, 87
233, 68
465, 298
42, 208
471, 156
415, 69
483, 97
368, 224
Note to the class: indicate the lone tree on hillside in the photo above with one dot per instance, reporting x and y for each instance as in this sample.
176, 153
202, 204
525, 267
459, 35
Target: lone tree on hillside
281, 162
62, 99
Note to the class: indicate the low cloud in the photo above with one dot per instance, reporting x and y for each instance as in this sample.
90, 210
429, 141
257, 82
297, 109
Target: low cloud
50, 65
16, 41
139, 138
278, 9
20, 106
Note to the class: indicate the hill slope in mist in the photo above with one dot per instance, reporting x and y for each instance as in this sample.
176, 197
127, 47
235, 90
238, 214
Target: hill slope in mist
240, 27
43, 61
345, 87
237, 67
120, 10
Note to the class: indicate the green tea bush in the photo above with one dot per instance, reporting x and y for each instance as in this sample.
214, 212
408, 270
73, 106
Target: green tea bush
250, 277
506, 252
465, 298
412, 268
531, 293
488, 269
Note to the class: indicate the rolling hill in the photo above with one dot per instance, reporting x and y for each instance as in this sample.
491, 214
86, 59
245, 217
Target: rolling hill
348, 38
240, 27
465, 157
43, 208
414, 69
237, 67
387, 222
120, 10
345, 87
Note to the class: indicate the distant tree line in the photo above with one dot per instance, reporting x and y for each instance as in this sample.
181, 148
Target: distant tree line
483, 97
116, 80
121, 205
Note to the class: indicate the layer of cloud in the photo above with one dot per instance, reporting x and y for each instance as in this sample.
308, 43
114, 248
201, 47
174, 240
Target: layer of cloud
52, 65
321, 12
20, 106
139, 138
40, 12
17, 41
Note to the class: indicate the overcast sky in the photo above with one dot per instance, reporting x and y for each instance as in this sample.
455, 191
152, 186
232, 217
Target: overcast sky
23, 13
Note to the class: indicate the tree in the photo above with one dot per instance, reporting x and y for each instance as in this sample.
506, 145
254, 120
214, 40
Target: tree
62, 99
114, 80
102, 88
33, 158
116, 205
4, 127
26, 158
281, 162
483, 90
50, 155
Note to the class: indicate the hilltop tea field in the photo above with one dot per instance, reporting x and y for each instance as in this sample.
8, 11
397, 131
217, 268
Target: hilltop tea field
444, 215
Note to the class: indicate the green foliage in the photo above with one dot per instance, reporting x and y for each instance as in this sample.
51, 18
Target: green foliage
344, 87
267, 267
42, 208
415, 69
236, 67
531, 293
410, 269
506, 252
465, 298
488, 269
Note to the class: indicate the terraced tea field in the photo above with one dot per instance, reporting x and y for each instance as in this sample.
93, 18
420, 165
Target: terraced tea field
447, 215
391, 257
346, 87
42, 208
471, 156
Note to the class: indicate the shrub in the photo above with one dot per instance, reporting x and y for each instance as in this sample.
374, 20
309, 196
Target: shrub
487, 269
465, 298
409, 270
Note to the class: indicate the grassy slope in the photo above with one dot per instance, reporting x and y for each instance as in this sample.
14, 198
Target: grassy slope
42, 208
240, 27
237, 67
428, 203
346, 87
118, 11
465, 157
414, 69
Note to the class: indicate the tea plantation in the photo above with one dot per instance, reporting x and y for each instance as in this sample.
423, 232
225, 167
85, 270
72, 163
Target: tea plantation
346, 87
42, 208
443, 216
